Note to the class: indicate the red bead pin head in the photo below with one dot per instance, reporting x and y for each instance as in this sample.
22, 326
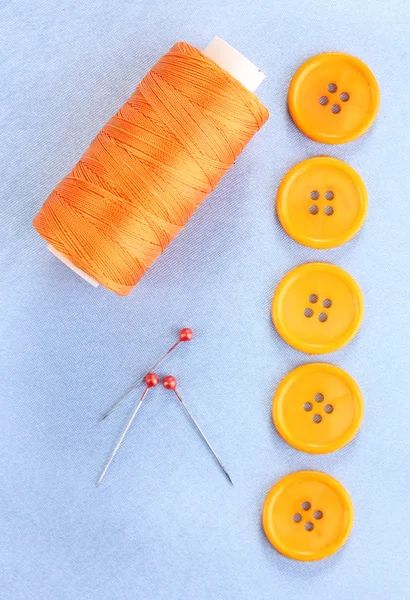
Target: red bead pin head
169, 382
151, 380
186, 335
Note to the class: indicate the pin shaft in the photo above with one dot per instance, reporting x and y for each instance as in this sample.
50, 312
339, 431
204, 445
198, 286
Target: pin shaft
203, 436
124, 433
136, 383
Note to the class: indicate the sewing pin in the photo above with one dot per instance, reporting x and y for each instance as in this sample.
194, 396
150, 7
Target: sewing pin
185, 335
170, 383
151, 380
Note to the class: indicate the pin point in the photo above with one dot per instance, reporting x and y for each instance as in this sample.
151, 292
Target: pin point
151, 380
185, 335
170, 383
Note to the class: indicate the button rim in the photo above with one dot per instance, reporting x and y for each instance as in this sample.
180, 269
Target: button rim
270, 531
283, 194
277, 413
332, 345
332, 138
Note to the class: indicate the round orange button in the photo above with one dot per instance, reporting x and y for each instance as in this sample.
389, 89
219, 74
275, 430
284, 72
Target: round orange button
317, 408
322, 202
317, 308
307, 515
333, 98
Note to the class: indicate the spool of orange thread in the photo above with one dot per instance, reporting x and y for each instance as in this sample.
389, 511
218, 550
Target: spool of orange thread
153, 164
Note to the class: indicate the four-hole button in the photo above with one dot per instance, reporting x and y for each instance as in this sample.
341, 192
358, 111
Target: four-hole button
317, 408
307, 515
317, 308
334, 98
322, 202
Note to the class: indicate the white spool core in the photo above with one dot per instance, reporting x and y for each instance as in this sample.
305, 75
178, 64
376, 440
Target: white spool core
68, 263
236, 65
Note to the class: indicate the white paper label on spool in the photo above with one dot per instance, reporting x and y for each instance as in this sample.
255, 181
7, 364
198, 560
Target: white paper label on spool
236, 65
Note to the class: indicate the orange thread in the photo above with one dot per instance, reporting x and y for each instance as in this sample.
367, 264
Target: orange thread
150, 167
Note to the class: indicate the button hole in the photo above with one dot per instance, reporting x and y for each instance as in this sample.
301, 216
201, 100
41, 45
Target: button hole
329, 195
332, 88
309, 526
322, 317
329, 408
306, 505
297, 518
317, 418
314, 194
308, 312
313, 210
319, 397
308, 406
329, 210
313, 298
336, 108
323, 100
344, 97
318, 514
327, 303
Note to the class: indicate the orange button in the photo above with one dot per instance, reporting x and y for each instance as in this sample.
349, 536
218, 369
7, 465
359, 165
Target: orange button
333, 98
317, 308
317, 408
307, 515
322, 202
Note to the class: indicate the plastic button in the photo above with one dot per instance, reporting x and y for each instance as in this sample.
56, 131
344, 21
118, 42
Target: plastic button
322, 202
334, 98
307, 515
317, 308
317, 408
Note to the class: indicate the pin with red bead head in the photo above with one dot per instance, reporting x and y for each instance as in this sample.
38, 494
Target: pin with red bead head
170, 383
185, 335
151, 380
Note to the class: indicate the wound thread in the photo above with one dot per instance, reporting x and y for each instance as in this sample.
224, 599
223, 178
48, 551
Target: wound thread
150, 167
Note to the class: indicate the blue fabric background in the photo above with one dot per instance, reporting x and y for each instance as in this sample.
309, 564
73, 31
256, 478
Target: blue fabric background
166, 524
